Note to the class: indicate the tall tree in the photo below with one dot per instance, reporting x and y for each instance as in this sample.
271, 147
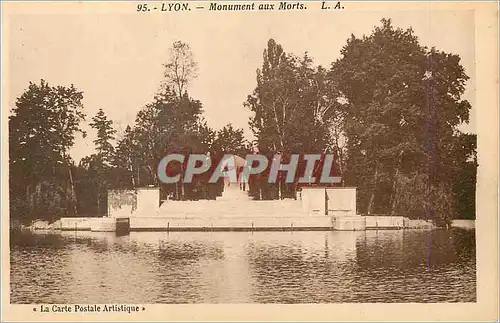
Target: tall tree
273, 97
126, 160
105, 134
290, 106
293, 112
101, 162
403, 105
42, 129
463, 160
168, 124
181, 68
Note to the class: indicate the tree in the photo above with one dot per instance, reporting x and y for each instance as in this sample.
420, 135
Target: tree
293, 112
160, 124
126, 160
181, 68
89, 178
42, 128
105, 134
290, 106
170, 123
463, 159
403, 105
273, 98
100, 162
230, 141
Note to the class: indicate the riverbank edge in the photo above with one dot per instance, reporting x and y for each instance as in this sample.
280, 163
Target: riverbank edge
241, 224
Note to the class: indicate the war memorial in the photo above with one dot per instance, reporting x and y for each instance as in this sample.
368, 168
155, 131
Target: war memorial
315, 208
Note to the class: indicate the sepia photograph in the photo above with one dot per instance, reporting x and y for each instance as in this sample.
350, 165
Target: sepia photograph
310, 152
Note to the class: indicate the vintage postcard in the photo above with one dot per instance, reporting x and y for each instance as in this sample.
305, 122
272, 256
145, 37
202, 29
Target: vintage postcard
249, 161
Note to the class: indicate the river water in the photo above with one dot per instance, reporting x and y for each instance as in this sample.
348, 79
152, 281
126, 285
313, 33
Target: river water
244, 267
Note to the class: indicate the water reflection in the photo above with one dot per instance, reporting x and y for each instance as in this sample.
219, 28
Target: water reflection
303, 267
244, 267
431, 263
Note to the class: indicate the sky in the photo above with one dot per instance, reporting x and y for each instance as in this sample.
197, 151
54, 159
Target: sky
116, 59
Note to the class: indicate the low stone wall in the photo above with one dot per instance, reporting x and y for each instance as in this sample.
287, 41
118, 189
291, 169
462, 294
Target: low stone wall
418, 224
464, 224
384, 222
396, 222
103, 225
242, 223
349, 223
73, 224
230, 223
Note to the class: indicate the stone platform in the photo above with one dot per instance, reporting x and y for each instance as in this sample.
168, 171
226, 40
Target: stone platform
317, 208
240, 223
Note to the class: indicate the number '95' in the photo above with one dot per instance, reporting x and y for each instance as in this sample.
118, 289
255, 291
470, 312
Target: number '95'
142, 7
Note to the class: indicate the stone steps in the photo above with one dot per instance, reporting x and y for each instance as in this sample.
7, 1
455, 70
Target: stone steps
230, 207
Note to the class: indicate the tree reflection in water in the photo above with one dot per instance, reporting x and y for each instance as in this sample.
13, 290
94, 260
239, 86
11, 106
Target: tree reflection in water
244, 267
